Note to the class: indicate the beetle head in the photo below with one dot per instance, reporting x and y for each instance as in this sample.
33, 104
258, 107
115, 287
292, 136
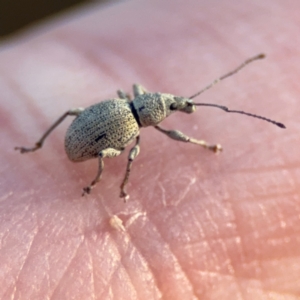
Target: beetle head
182, 104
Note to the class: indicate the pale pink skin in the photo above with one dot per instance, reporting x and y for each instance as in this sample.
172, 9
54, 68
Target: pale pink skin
197, 225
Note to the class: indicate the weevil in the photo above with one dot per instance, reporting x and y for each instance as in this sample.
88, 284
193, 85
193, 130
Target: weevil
106, 128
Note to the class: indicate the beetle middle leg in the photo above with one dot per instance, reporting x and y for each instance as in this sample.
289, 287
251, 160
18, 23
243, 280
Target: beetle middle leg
109, 152
123, 95
40, 142
134, 151
179, 136
139, 90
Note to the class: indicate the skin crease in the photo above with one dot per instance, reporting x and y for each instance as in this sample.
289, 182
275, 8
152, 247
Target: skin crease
197, 225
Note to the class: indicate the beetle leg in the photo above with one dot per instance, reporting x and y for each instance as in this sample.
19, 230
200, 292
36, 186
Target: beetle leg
109, 152
139, 90
134, 151
40, 142
123, 95
179, 136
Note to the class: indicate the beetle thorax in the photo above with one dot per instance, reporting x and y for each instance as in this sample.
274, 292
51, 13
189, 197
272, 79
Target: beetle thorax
151, 109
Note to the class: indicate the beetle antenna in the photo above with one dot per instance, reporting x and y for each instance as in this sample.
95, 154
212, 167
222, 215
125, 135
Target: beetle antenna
246, 62
241, 112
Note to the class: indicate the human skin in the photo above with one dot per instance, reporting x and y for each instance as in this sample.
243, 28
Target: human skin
197, 225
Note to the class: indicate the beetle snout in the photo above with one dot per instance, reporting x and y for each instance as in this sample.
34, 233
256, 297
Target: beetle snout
190, 107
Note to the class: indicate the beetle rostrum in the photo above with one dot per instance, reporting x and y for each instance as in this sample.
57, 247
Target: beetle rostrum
106, 128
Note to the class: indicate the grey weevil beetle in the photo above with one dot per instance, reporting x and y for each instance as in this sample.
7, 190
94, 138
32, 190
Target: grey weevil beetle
106, 128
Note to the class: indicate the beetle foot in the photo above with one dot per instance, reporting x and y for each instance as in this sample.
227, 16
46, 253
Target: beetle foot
25, 150
86, 190
38, 145
215, 148
22, 149
124, 195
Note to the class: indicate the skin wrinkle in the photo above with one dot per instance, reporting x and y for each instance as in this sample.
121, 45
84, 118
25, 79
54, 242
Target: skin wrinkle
209, 247
180, 264
9, 288
106, 280
121, 264
262, 258
265, 185
291, 179
163, 194
131, 281
268, 290
198, 226
46, 273
88, 245
225, 249
231, 269
26, 257
92, 269
134, 217
239, 234
133, 252
264, 169
248, 199
186, 191
148, 265
133, 249
226, 278
67, 267
167, 246
177, 258
243, 278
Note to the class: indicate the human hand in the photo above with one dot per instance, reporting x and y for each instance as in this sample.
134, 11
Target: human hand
197, 225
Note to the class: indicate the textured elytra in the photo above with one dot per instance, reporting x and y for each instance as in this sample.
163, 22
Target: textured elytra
108, 124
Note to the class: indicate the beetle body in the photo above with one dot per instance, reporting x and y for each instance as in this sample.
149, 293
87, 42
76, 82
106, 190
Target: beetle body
106, 128
115, 123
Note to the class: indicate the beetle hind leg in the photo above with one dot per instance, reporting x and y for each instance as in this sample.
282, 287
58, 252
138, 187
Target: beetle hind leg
40, 142
134, 151
109, 152
179, 136
123, 95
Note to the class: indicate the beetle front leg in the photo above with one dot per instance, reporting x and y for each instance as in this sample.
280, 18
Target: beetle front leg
110, 152
40, 142
132, 155
139, 90
179, 136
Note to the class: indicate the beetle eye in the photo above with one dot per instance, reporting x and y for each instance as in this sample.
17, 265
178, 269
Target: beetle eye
173, 106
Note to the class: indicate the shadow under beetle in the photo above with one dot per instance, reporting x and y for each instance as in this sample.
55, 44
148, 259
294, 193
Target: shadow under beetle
106, 128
